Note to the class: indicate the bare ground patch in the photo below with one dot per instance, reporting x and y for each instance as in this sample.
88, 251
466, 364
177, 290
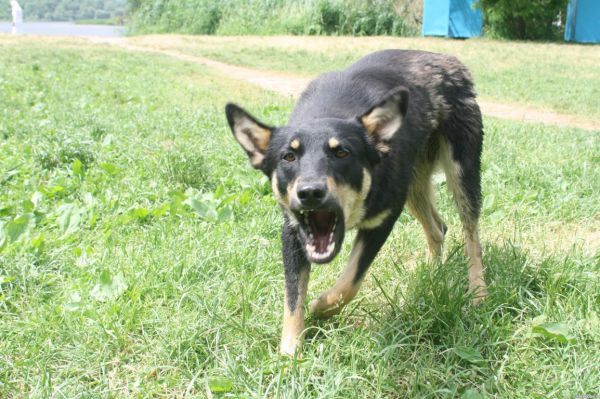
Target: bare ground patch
292, 84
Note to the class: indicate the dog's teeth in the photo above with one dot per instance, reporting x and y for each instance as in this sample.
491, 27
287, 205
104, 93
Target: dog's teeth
330, 248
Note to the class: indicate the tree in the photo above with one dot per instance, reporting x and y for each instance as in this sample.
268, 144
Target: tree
523, 19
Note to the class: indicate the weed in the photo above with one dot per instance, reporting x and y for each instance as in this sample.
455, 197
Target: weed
313, 17
144, 259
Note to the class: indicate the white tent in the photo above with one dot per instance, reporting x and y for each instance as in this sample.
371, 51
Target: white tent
17, 15
17, 12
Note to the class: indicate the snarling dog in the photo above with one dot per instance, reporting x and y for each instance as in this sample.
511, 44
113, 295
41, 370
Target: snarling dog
360, 144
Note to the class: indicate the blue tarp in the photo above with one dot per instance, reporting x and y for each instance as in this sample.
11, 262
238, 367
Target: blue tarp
451, 18
583, 21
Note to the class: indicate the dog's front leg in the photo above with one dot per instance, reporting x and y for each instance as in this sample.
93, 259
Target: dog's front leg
366, 246
297, 270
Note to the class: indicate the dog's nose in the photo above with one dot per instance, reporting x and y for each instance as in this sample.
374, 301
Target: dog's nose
312, 194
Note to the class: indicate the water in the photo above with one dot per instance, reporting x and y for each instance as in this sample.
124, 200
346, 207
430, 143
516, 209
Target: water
64, 29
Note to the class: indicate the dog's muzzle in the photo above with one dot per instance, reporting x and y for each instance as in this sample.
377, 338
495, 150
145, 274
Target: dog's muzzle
312, 195
321, 221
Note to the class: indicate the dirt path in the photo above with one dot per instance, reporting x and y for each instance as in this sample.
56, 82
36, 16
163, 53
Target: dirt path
292, 85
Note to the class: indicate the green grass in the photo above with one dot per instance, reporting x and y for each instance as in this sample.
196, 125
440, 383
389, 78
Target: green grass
140, 253
561, 77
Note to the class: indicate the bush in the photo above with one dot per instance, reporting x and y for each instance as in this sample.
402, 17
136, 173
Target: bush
66, 10
523, 19
264, 17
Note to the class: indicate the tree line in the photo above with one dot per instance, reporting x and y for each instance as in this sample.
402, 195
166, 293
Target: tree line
67, 10
511, 19
267, 17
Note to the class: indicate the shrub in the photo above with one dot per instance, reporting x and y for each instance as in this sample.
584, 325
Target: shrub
238, 17
523, 19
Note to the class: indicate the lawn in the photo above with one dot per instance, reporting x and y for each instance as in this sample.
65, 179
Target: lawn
140, 254
560, 77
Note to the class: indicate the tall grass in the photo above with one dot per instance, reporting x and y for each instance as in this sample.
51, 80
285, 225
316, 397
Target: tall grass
528, 74
140, 254
264, 17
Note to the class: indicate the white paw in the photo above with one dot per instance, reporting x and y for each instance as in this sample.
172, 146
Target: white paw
321, 309
288, 346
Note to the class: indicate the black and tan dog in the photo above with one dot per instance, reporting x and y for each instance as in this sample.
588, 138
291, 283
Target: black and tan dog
360, 144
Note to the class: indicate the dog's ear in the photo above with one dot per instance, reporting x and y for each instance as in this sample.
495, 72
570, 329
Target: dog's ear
253, 136
384, 120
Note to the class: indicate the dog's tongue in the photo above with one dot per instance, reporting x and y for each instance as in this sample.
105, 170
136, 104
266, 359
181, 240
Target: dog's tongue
321, 226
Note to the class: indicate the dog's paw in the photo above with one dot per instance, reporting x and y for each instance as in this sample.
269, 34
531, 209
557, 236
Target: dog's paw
322, 309
289, 347
479, 294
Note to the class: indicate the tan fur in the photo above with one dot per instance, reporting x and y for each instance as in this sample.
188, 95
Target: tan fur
292, 195
333, 143
293, 322
420, 203
253, 139
262, 139
282, 198
470, 226
352, 202
382, 123
377, 121
375, 221
295, 144
332, 301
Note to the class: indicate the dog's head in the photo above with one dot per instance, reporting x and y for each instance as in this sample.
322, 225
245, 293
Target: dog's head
320, 169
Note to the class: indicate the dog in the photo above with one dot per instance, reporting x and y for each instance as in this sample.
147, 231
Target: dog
360, 144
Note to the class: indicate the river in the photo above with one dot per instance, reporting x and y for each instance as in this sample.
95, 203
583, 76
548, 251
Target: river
65, 29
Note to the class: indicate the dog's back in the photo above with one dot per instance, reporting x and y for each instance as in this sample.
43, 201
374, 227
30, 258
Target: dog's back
360, 146
436, 82
441, 105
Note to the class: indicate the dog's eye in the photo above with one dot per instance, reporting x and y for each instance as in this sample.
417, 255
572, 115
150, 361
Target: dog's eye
289, 156
341, 153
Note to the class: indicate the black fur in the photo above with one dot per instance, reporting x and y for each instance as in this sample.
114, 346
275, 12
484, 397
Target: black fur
436, 101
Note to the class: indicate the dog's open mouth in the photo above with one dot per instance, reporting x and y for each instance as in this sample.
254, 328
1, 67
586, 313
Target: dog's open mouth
321, 233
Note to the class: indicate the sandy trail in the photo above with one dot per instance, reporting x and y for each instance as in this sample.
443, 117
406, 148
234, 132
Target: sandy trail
292, 85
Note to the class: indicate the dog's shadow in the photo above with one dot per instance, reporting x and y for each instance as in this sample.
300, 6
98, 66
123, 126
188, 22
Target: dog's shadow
433, 309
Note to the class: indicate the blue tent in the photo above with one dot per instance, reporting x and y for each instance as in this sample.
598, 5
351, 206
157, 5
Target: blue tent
583, 21
451, 18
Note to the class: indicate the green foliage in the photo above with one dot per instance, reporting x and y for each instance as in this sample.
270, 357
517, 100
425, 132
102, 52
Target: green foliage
524, 19
66, 10
314, 17
131, 269
134, 4
366, 18
545, 71
109, 287
559, 332
219, 384
185, 16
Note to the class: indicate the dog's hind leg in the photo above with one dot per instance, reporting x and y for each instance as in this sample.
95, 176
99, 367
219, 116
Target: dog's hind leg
366, 246
420, 203
461, 162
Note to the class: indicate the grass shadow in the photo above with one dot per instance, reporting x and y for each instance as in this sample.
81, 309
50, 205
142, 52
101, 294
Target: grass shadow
433, 342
